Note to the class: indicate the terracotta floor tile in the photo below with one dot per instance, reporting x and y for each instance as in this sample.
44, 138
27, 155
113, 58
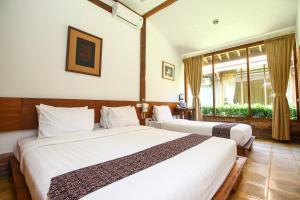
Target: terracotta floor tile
264, 171
259, 160
254, 190
284, 175
285, 185
281, 150
281, 195
256, 178
281, 164
283, 155
6, 189
296, 155
242, 196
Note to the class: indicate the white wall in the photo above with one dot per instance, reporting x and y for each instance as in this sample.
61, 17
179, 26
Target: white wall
158, 50
33, 38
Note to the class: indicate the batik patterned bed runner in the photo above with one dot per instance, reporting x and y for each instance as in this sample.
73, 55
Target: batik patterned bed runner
223, 130
76, 184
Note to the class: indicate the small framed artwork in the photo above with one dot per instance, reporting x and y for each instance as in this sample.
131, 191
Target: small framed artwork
168, 71
84, 52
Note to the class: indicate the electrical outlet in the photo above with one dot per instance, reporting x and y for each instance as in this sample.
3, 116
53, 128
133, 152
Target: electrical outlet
138, 105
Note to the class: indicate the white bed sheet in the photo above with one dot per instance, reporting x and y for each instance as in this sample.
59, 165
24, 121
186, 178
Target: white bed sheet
28, 139
240, 133
194, 174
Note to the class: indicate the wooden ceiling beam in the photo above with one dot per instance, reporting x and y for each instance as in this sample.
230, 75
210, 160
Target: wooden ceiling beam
102, 5
260, 49
220, 57
227, 55
159, 8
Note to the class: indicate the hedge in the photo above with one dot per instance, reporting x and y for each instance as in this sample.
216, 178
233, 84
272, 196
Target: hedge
258, 111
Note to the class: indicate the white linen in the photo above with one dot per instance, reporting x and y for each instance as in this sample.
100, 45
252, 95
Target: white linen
197, 173
112, 117
34, 136
122, 116
240, 133
162, 113
104, 117
55, 121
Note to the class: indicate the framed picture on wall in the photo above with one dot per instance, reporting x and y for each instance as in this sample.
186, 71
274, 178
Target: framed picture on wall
168, 71
84, 52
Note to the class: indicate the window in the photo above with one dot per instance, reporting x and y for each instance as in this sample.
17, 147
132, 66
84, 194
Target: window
291, 90
231, 83
260, 86
226, 93
206, 91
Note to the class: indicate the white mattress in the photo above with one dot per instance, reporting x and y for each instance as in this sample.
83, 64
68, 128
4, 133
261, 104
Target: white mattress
194, 174
240, 133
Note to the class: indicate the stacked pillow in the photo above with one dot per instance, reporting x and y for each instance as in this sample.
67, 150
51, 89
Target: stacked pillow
112, 117
57, 121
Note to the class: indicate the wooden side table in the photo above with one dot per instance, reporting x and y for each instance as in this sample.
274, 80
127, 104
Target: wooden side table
185, 113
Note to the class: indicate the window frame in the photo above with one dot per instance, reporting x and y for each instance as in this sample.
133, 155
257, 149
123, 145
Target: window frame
246, 46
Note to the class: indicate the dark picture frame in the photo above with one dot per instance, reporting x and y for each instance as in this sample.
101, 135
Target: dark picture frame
168, 71
84, 52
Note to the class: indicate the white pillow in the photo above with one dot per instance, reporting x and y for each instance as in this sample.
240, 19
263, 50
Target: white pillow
122, 116
162, 113
104, 117
49, 107
56, 121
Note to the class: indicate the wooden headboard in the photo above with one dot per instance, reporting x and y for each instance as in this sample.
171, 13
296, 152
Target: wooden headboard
20, 113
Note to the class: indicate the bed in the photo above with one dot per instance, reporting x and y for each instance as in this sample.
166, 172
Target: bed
197, 173
240, 133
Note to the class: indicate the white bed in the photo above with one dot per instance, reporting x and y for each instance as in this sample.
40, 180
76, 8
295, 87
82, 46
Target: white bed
196, 173
240, 133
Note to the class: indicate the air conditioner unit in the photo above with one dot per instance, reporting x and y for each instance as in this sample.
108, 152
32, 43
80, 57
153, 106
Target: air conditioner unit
126, 15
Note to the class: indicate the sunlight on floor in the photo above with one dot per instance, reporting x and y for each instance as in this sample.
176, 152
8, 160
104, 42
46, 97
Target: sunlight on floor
272, 172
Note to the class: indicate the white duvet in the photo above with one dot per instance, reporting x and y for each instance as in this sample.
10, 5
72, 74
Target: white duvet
194, 174
240, 133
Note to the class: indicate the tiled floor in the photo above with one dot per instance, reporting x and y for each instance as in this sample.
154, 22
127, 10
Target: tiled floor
272, 172
6, 189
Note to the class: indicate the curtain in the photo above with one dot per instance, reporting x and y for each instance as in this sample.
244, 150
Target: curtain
193, 73
279, 52
229, 83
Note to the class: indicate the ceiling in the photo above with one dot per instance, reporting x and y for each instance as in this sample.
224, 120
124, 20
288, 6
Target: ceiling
187, 24
142, 6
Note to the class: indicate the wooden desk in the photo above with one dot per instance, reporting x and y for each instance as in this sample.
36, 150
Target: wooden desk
185, 113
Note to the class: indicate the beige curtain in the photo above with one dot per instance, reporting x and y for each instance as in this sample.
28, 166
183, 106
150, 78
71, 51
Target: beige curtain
193, 72
279, 52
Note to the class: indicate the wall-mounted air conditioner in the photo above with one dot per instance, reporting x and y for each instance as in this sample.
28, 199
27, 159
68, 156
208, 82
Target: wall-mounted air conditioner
126, 15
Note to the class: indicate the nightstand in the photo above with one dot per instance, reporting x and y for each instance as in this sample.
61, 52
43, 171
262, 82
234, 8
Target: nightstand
185, 113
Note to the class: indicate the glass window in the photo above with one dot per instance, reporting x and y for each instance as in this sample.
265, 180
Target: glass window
206, 91
291, 91
231, 84
231, 91
260, 87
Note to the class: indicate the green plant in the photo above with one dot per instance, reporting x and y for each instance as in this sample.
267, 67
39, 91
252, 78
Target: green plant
258, 111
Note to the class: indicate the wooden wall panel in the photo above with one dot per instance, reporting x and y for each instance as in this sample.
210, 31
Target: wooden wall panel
20, 113
4, 164
10, 113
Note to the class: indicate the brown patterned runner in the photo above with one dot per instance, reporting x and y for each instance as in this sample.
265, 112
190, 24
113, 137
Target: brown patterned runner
78, 183
223, 130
